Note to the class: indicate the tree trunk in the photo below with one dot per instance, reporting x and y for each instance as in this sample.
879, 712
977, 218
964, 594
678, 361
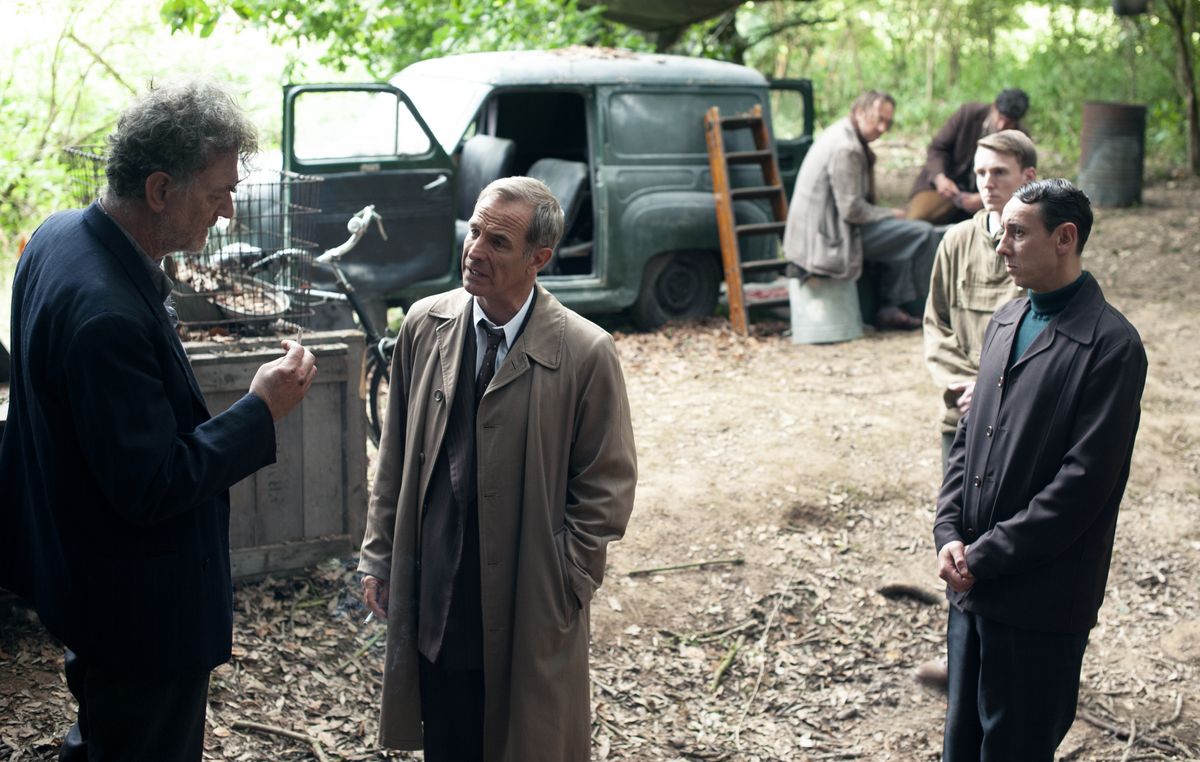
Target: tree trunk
1181, 22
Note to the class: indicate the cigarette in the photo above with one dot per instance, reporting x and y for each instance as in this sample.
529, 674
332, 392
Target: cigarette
299, 333
370, 616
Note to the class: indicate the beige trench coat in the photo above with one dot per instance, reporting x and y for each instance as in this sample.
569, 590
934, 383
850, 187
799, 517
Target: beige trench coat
556, 471
829, 203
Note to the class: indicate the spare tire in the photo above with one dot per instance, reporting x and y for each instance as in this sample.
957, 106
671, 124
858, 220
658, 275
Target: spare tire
677, 285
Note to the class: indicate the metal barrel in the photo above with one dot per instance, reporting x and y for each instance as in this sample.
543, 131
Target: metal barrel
1112, 150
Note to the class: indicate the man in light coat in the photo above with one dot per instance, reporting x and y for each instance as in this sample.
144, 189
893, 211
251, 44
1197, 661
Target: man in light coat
494, 501
834, 223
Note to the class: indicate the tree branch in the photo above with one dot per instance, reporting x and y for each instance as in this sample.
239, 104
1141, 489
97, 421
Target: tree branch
100, 60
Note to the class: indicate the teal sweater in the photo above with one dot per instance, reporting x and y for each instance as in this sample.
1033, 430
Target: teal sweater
1042, 309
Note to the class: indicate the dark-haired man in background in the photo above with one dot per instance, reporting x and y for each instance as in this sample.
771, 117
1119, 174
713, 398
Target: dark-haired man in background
945, 191
1028, 508
114, 521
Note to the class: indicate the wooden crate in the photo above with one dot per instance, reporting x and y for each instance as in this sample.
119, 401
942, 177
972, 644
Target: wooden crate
312, 503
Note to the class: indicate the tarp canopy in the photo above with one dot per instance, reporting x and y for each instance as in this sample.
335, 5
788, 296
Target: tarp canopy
661, 15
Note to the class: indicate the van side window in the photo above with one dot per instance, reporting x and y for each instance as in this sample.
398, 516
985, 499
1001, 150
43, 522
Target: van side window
647, 123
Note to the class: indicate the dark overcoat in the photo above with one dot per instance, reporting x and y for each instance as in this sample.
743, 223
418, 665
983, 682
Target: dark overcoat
1039, 465
115, 514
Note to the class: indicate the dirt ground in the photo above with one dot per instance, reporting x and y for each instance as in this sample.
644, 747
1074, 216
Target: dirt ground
810, 473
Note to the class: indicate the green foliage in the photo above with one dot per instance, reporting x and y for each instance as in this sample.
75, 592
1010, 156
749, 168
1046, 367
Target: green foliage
933, 56
387, 35
75, 64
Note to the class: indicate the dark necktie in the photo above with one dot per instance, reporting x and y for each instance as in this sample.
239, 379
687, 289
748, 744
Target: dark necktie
488, 369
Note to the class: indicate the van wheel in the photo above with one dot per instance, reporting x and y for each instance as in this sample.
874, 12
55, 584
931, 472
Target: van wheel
678, 285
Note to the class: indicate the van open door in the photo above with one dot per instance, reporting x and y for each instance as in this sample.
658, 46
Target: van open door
792, 125
372, 147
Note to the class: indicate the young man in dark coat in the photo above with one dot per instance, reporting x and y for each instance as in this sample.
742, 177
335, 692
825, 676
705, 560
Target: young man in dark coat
1028, 509
115, 511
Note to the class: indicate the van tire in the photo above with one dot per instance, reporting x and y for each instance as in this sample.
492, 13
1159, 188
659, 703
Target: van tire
677, 285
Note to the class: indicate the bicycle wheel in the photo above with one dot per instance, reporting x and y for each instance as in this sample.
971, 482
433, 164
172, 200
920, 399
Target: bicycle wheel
377, 396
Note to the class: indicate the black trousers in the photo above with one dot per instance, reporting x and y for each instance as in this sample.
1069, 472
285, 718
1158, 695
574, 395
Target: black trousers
452, 712
124, 717
1012, 692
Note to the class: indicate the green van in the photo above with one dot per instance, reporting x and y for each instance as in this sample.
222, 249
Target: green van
618, 136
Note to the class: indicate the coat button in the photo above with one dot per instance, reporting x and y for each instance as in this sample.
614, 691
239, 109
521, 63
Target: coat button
1000, 383
988, 432
978, 480
438, 396
421, 458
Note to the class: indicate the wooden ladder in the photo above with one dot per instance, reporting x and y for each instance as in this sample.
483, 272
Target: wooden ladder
719, 161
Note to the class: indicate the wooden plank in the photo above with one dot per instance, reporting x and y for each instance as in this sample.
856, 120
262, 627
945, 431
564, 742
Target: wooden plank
270, 342
323, 475
771, 175
311, 504
243, 513
759, 228
241, 495
730, 255
229, 371
748, 157
758, 191
279, 488
354, 450
764, 265
282, 558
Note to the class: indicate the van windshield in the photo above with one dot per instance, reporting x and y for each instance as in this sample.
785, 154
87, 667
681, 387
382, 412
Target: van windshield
447, 104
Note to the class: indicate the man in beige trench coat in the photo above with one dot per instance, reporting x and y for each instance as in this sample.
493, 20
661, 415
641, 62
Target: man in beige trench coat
494, 501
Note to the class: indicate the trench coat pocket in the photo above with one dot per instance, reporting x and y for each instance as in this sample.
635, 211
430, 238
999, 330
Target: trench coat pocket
569, 605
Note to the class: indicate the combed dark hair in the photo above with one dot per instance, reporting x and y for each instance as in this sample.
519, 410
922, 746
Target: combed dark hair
1012, 102
546, 224
868, 99
1059, 201
175, 128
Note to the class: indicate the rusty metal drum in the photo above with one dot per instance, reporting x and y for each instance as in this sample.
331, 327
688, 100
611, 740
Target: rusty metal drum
1112, 152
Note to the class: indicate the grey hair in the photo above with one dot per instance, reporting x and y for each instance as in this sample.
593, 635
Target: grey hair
546, 223
175, 128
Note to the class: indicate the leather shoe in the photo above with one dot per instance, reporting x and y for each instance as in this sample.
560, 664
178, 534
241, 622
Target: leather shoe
933, 673
897, 319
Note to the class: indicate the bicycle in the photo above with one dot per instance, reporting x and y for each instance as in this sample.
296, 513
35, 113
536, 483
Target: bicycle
380, 347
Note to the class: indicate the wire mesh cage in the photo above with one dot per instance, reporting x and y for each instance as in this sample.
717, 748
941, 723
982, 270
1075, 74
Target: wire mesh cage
253, 274
85, 172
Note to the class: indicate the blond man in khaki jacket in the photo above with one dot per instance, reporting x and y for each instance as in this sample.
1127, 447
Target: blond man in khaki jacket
969, 282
